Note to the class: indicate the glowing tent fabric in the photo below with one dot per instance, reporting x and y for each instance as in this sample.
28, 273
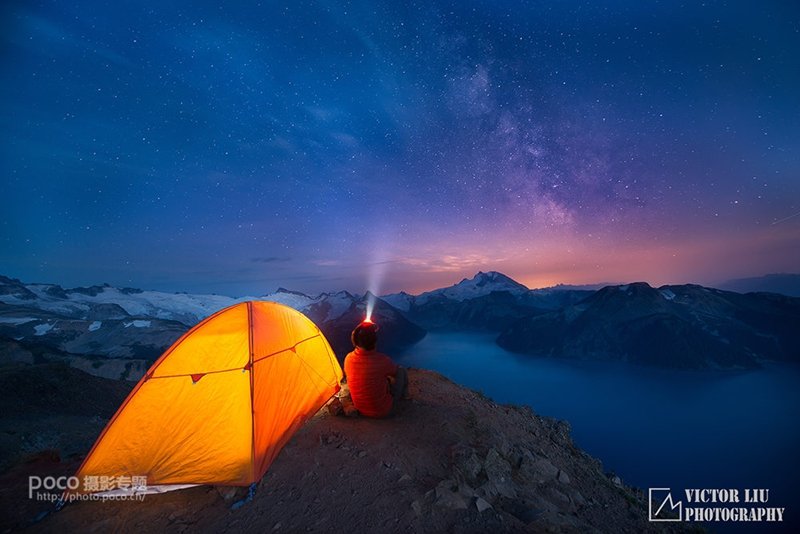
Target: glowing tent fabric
220, 403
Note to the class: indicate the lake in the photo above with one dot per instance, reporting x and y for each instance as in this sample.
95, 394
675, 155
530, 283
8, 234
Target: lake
652, 427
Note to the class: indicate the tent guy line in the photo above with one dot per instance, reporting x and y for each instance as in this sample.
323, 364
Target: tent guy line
246, 367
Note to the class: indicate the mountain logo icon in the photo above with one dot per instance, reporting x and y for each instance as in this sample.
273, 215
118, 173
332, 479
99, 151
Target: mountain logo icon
662, 507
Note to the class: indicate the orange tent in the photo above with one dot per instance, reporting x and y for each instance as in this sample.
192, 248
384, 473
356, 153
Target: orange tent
219, 404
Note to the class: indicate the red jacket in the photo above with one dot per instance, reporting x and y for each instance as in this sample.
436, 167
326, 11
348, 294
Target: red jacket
367, 372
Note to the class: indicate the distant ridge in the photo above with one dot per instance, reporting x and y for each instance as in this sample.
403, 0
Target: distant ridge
576, 287
782, 283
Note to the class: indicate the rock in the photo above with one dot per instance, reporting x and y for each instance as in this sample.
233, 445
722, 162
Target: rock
331, 438
361, 454
404, 478
577, 498
472, 467
491, 490
466, 491
447, 497
417, 507
346, 402
616, 481
543, 470
448, 484
522, 458
563, 477
350, 409
335, 407
516, 456
228, 493
498, 471
559, 496
495, 466
482, 505
488, 491
466, 461
506, 489
450, 499
504, 447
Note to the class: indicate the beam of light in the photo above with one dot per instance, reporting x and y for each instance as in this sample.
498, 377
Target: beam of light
376, 272
786, 218
375, 278
370, 308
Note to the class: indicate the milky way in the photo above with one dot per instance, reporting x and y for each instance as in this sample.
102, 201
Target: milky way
321, 145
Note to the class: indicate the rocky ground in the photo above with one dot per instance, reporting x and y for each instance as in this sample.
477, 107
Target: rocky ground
450, 461
53, 410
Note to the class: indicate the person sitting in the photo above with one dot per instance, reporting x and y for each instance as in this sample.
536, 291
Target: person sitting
376, 383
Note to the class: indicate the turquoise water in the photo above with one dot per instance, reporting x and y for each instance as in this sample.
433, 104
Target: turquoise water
653, 427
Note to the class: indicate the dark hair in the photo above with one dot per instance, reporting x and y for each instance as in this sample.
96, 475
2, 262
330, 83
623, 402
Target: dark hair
365, 336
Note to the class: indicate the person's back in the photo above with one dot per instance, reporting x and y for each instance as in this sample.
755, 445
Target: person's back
367, 374
376, 383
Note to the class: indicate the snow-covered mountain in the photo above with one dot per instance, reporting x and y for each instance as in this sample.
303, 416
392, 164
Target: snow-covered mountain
105, 301
133, 324
80, 320
92, 327
402, 301
81, 302
118, 332
487, 301
480, 285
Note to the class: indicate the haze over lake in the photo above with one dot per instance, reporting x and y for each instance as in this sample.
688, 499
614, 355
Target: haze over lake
653, 427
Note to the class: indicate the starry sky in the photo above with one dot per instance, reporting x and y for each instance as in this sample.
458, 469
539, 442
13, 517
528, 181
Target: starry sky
235, 147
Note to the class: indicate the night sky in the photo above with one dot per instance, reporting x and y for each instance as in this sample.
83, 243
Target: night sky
185, 146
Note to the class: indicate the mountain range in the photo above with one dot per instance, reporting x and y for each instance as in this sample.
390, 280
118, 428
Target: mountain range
785, 284
118, 332
685, 326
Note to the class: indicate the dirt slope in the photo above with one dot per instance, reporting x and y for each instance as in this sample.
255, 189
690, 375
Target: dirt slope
451, 461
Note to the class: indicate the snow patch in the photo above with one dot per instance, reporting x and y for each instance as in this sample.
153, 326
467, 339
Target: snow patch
138, 323
340, 303
95, 326
16, 320
293, 300
667, 294
182, 307
42, 329
401, 301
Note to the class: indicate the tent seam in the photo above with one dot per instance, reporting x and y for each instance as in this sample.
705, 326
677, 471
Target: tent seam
252, 402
